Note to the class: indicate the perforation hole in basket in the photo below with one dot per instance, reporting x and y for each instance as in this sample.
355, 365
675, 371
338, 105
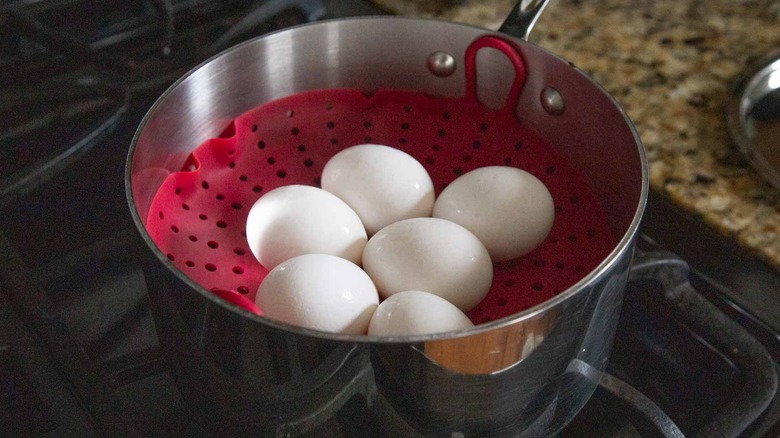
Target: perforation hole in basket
272, 145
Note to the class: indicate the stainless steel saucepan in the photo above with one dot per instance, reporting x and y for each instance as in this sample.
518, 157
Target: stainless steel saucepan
526, 373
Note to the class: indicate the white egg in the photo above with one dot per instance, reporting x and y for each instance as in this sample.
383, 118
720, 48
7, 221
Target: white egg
416, 313
434, 255
508, 209
296, 219
321, 292
382, 184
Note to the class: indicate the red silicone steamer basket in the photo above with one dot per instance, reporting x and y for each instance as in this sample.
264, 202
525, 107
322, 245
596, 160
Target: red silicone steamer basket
197, 217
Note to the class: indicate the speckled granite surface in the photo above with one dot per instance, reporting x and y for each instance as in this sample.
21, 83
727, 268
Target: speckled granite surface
670, 64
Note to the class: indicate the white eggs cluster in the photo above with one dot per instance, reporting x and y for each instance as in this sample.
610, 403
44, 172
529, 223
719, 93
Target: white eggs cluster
375, 252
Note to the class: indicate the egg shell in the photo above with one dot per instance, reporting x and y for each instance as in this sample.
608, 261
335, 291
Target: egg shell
297, 219
508, 209
432, 255
321, 292
416, 313
382, 184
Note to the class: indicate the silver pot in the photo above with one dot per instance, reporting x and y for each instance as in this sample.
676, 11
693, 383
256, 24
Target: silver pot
520, 374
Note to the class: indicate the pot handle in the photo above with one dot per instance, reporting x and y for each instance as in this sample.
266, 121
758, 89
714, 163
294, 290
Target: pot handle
507, 49
523, 17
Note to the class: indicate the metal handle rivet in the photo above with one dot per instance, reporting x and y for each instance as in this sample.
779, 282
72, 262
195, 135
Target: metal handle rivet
552, 101
441, 64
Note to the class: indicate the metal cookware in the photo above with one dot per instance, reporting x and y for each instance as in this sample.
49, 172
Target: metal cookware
527, 373
753, 116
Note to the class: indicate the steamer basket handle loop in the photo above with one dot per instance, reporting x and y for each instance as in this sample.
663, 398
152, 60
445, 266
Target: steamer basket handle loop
518, 24
511, 52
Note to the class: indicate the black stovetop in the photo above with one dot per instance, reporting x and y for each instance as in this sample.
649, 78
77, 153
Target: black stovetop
79, 353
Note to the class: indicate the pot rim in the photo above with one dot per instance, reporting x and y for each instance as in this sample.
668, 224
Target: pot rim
625, 244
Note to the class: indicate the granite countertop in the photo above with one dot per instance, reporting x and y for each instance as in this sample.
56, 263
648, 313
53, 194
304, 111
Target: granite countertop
670, 64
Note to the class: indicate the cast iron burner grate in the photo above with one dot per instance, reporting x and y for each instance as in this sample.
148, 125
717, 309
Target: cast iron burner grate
69, 69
